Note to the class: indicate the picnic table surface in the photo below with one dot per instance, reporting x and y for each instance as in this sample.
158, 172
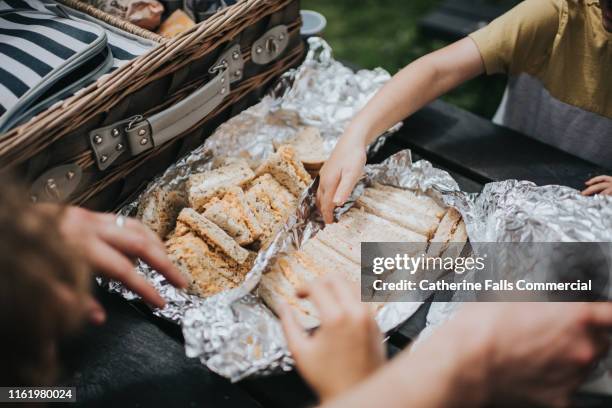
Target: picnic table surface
136, 359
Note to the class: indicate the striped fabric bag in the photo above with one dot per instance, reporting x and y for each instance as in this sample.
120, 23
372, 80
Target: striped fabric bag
48, 52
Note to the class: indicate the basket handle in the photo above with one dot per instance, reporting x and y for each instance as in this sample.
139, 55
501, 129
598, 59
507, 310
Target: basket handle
138, 134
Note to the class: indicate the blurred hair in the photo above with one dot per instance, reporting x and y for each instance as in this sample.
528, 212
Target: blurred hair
42, 290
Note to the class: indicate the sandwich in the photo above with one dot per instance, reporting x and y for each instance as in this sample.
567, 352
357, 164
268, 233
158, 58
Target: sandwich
322, 260
407, 199
450, 237
285, 167
278, 286
397, 213
203, 187
159, 209
276, 290
309, 148
213, 235
206, 269
234, 216
271, 204
357, 226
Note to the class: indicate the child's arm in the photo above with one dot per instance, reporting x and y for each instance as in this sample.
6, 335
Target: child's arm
409, 90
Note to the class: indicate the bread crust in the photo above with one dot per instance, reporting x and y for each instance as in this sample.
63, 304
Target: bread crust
287, 170
420, 223
309, 148
159, 210
234, 216
203, 187
271, 205
213, 235
207, 272
408, 200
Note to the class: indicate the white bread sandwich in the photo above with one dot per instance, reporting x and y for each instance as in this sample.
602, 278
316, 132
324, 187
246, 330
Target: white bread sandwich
314, 260
450, 237
213, 235
285, 167
322, 260
418, 222
234, 216
407, 199
309, 148
276, 290
203, 187
357, 226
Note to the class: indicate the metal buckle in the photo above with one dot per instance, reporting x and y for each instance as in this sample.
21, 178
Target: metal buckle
218, 67
270, 46
109, 142
231, 60
136, 135
132, 120
56, 184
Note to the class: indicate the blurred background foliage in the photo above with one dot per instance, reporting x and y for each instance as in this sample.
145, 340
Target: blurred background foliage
371, 33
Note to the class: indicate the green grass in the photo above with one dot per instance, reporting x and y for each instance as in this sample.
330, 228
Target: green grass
385, 33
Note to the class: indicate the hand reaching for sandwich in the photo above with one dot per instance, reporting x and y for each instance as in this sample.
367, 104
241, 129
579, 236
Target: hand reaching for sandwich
340, 173
345, 349
109, 247
598, 185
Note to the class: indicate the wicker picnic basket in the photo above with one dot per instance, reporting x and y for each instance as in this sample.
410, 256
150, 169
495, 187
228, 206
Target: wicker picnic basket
104, 143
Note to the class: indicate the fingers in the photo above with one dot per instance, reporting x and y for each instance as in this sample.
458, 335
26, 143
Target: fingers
599, 184
600, 314
327, 189
334, 297
598, 179
596, 188
136, 240
95, 311
116, 266
294, 333
347, 293
324, 299
345, 187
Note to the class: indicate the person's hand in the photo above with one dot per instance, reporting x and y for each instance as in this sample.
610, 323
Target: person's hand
340, 173
526, 352
345, 349
598, 185
109, 248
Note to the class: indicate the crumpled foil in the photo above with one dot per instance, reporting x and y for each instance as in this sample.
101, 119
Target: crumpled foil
234, 333
237, 337
321, 92
520, 211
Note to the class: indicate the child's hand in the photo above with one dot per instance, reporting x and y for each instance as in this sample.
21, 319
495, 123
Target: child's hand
345, 349
598, 185
339, 174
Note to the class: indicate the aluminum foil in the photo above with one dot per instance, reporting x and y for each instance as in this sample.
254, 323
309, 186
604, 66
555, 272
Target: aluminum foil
520, 211
240, 337
234, 333
321, 92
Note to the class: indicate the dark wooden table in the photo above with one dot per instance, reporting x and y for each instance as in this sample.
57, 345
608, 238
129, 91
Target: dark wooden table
138, 360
